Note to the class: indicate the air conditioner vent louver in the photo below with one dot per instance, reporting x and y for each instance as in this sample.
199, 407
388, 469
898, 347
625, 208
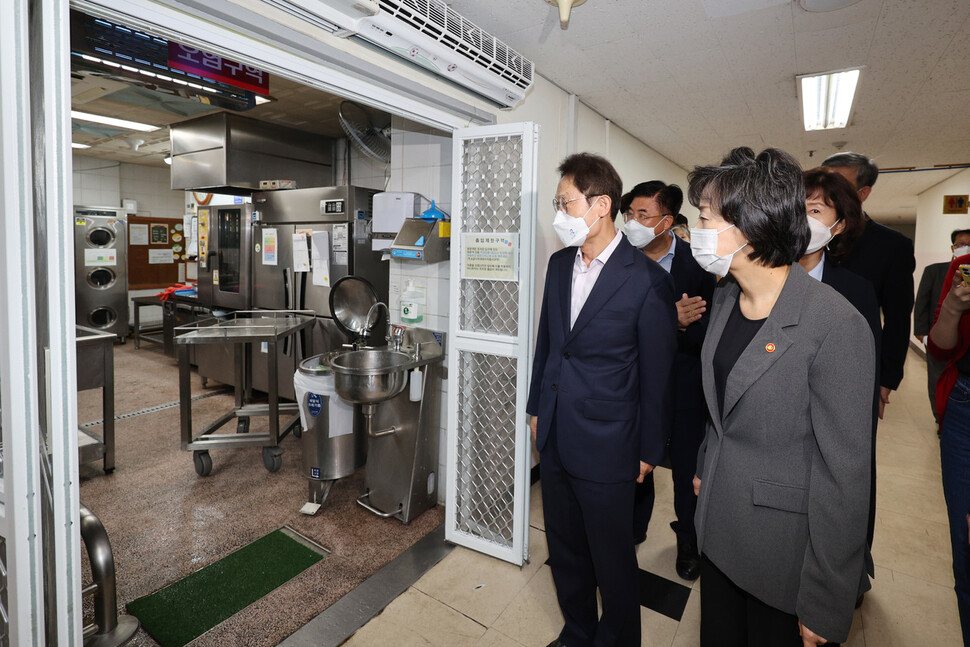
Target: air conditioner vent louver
436, 20
427, 33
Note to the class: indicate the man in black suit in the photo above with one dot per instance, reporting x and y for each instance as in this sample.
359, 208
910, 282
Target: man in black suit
649, 214
886, 258
927, 296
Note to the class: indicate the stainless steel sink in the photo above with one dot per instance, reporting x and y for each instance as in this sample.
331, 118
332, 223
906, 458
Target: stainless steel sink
371, 375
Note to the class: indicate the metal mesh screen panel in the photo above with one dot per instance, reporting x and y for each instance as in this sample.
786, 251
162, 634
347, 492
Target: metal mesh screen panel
4, 618
492, 199
485, 466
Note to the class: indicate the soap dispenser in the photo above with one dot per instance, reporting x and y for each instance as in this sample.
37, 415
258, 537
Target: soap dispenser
412, 304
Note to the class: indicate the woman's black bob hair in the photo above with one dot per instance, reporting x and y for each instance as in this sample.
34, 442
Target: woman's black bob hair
763, 196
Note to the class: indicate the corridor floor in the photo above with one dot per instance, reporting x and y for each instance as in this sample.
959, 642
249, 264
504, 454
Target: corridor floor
470, 599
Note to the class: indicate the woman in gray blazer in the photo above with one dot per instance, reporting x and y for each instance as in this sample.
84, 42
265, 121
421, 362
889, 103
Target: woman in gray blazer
788, 368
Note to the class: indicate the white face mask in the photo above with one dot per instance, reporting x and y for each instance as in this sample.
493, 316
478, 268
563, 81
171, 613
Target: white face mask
639, 235
821, 235
963, 250
703, 245
572, 231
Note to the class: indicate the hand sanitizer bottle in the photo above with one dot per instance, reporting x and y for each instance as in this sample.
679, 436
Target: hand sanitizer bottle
412, 304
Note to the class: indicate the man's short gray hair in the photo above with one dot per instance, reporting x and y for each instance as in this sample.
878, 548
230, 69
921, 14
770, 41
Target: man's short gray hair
866, 170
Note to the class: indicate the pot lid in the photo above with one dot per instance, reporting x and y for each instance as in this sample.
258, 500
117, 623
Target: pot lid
351, 298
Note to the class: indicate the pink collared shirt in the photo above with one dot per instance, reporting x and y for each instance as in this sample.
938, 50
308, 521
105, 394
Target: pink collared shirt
584, 277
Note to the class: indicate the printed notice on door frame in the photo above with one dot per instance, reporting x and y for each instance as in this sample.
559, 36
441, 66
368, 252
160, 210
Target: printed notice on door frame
493, 257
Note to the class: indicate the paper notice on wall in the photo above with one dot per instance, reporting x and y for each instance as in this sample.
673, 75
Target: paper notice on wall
190, 226
137, 234
320, 243
101, 257
340, 239
269, 247
301, 254
160, 256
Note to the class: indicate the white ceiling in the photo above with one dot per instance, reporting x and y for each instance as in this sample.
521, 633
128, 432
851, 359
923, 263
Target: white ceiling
694, 78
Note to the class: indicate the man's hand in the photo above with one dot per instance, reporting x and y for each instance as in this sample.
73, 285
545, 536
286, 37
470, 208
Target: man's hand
532, 425
689, 310
883, 399
645, 468
697, 486
809, 637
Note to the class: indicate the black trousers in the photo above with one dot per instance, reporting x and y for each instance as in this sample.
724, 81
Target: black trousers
732, 617
685, 441
589, 530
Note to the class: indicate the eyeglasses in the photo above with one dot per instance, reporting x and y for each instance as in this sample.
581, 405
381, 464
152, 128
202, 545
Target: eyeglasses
560, 205
629, 215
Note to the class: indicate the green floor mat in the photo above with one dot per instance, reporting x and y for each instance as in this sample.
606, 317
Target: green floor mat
186, 609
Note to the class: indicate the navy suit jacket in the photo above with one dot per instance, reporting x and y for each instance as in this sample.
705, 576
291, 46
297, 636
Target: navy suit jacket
604, 380
690, 279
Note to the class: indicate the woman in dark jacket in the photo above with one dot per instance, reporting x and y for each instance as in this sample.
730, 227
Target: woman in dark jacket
836, 220
789, 364
950, 343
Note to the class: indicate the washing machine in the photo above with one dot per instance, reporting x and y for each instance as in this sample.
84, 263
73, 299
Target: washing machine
101, 269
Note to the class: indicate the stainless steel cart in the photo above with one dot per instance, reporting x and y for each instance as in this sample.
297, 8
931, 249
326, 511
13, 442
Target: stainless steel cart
239, 329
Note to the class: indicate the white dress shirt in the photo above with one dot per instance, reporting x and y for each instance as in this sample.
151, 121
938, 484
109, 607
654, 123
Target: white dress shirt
817, 271
584, 277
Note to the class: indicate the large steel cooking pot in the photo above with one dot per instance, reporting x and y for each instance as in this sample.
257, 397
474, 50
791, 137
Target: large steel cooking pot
371, 375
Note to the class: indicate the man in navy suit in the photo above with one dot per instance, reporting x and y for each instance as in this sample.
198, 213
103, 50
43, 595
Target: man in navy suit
649, 217
606, 341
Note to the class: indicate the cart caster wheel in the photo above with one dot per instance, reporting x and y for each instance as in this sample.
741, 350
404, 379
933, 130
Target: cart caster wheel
272, 458
298, 431
203, 463
242, 426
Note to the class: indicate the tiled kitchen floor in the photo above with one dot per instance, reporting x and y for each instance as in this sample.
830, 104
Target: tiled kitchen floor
470, 599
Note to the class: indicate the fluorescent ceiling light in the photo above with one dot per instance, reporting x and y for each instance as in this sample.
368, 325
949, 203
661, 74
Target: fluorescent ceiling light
111, 121
827, 98
76, 145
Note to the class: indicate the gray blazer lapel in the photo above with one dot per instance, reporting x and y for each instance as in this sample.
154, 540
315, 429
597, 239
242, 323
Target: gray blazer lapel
715, 328
770, 343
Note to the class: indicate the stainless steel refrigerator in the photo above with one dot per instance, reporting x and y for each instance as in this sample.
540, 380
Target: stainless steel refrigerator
332, 226
225, 256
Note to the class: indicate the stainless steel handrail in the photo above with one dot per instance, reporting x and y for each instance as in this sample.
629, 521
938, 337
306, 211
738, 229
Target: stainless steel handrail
109, 630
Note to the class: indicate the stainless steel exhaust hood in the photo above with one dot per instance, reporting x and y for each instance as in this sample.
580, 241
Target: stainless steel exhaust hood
226, 153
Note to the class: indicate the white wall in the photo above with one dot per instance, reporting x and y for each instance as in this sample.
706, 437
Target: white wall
933, 227
97, 182
421, 163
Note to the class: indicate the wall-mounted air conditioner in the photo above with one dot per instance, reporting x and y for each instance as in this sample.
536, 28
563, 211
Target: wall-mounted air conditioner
430, 34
